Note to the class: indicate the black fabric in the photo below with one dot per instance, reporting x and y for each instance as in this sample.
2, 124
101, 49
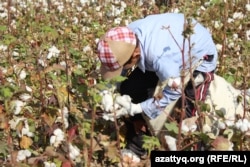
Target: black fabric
209, 58
137, 86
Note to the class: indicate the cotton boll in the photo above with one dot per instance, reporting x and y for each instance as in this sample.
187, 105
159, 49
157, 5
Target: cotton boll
49, 164
17, 106
242, 125
171, 142
107, 100
3, 48
15, 121
184, 128
127, 98
22, 155
57, 138
248, 7
193, 128
238, 15
52, 139
134, 158
53, 52
26, 130
230, 121
245, 125
29, 89
219, 47
244, 121
15, 54
25, 96
58, 132
117, 21
221, 125
73, 152
22, 74
65, 113
238, 124
243, 128
108, 117
27, 153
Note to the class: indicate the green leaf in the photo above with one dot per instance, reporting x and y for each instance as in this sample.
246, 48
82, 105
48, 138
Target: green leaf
8, 39
3, 28
6, 92
150, 142
219, 113
229, 78
75, 53
172, 127
57, 162
3, 148
205, 107
215, 2
118, 79
239, 99
204, 137
228, 133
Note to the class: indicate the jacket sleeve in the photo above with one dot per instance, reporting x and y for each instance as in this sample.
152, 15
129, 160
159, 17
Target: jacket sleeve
165, 67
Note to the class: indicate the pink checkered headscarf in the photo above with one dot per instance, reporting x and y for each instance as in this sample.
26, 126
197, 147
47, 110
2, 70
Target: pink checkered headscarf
114, 50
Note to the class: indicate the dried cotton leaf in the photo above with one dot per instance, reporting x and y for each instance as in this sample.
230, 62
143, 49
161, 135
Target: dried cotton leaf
25, 142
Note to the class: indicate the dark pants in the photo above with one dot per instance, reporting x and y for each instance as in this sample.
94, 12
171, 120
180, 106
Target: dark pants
137, 86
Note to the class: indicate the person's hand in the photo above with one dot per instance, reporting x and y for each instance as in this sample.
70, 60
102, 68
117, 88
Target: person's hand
125, 102
116, 114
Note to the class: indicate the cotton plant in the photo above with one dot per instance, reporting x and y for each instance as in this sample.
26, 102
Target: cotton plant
220, 124
248, 35
243, 125
53, 52
3, 48
63, 117
219, 47
128, 154
25, 96
57, 138
171, 142
74, 152
107, 102
22, 155
28, 89
247, 7
15, 121
16, 106
189, 125
111, 104
238, 15
26, 130
21, 72
49, 164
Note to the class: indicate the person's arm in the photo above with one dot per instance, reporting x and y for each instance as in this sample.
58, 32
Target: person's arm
167, 67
